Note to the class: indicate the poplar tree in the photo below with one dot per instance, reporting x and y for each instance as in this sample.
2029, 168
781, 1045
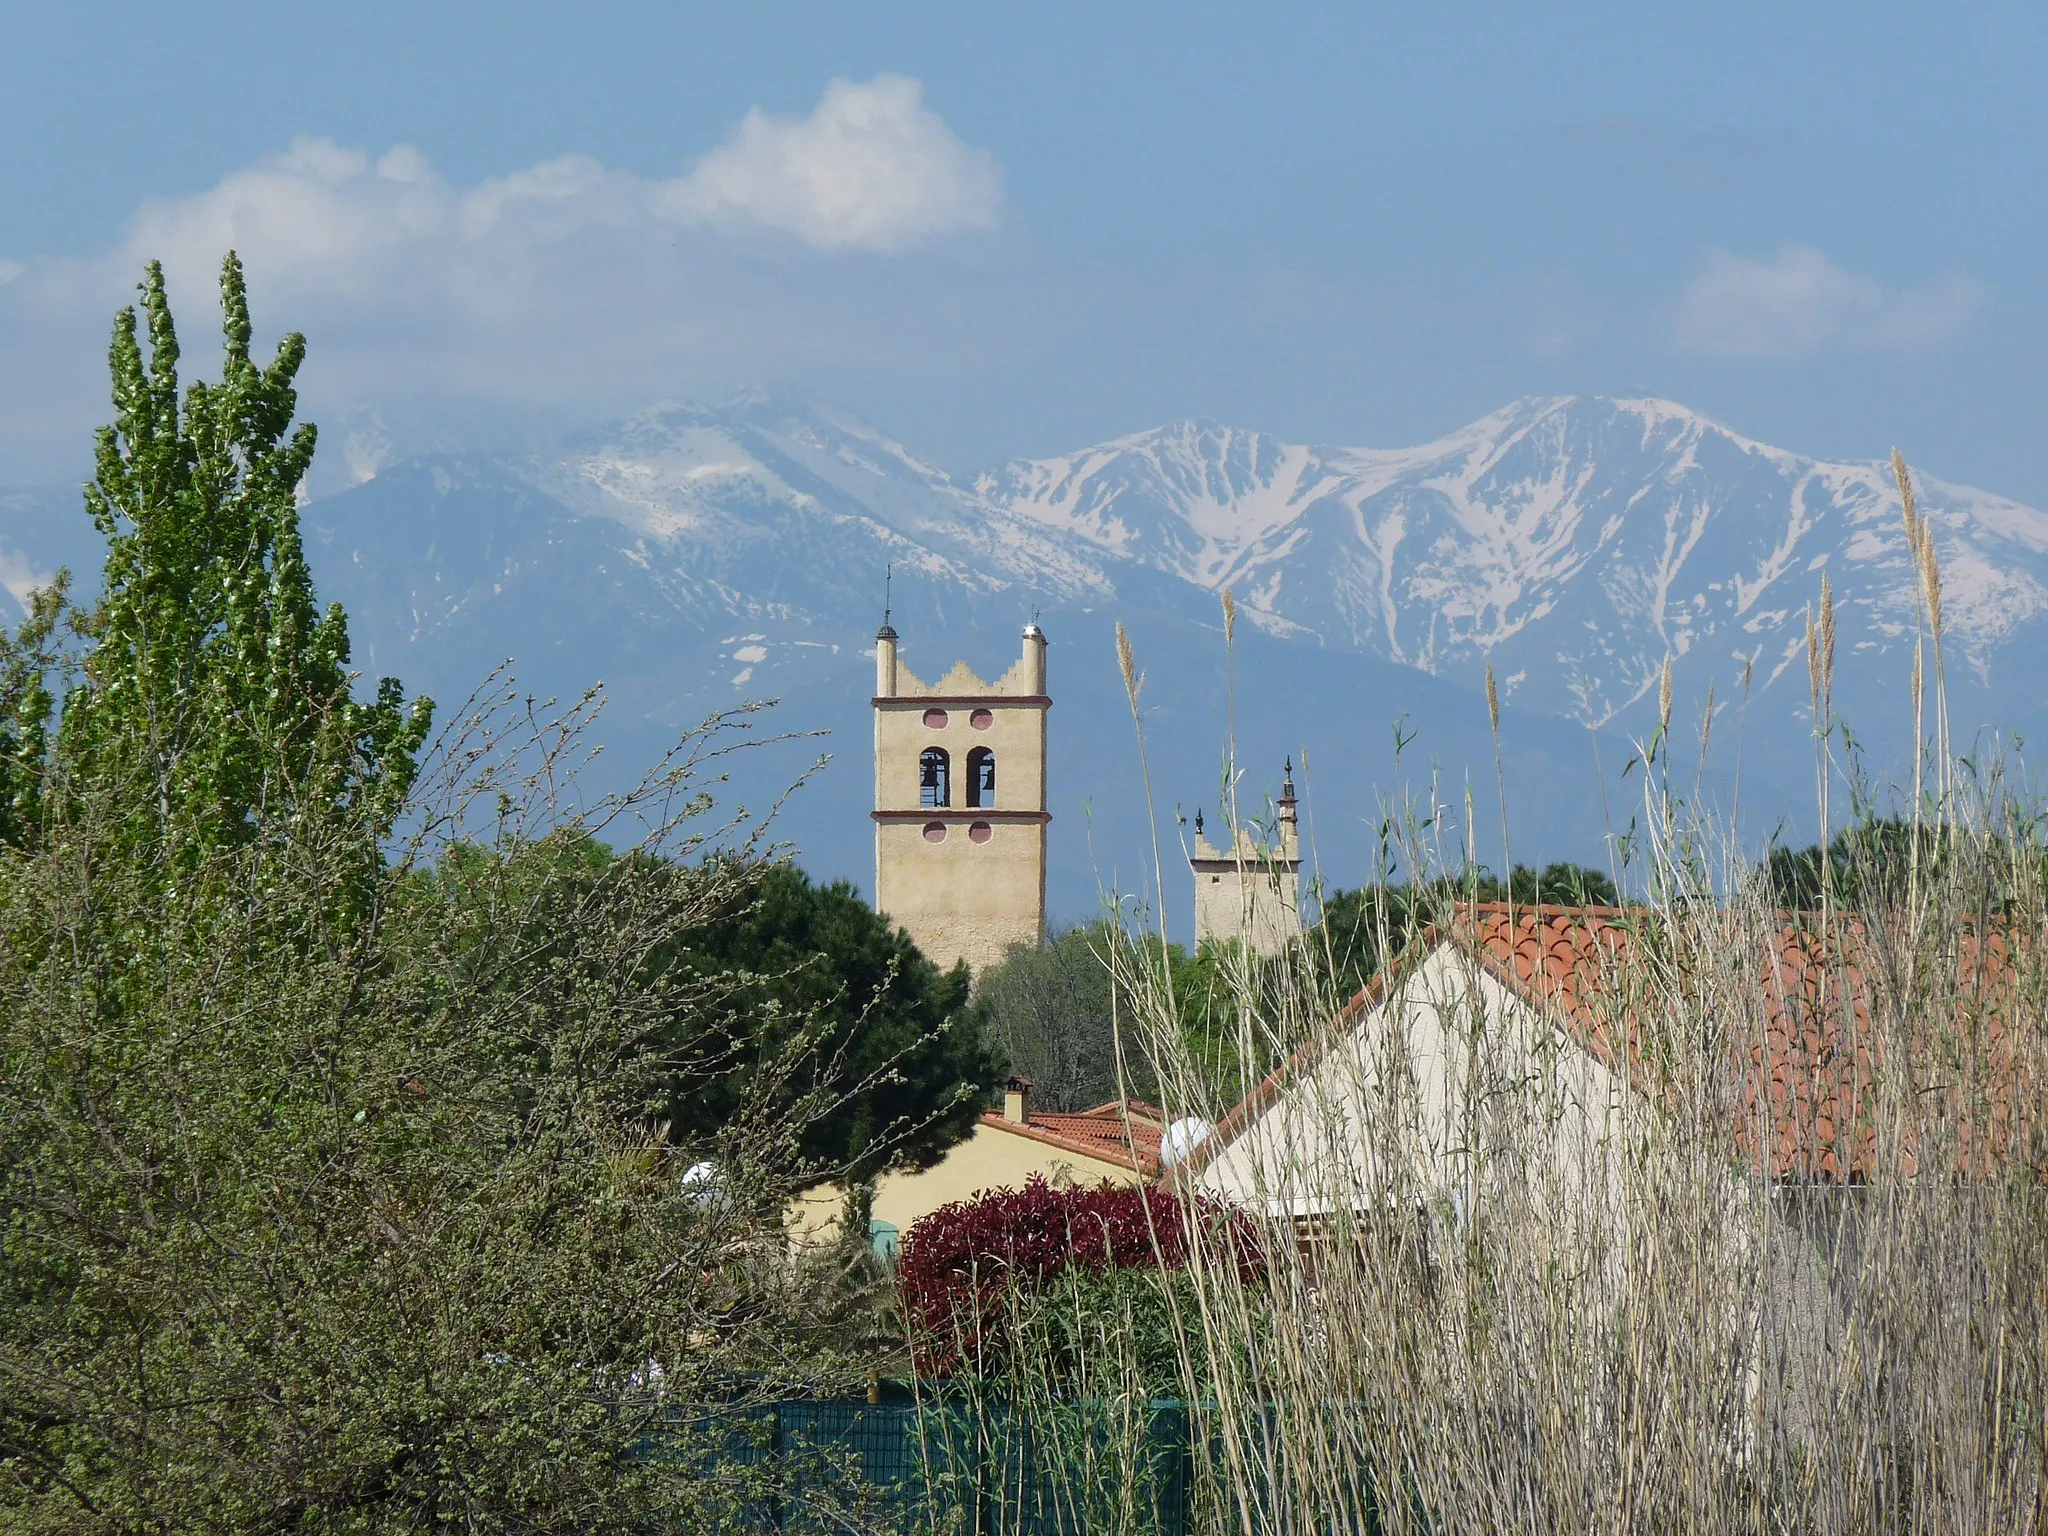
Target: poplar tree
213, 687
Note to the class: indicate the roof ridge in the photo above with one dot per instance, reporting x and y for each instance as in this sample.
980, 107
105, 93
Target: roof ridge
1569, 975
1122, 1153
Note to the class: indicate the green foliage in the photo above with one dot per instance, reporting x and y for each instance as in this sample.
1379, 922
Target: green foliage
1795, 878
1142, 1323
1054, 1010
365, 1234
1872, 866
1051, 1009
808, 1011
27, 662
214, 685
330, 1194
883, 1050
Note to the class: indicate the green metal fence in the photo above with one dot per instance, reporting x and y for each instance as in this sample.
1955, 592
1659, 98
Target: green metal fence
971, 1465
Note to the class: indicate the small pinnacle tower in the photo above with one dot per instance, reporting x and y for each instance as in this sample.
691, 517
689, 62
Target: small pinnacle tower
960, 813
1250, 893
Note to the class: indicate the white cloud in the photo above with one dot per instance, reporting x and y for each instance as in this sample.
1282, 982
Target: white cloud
565, 281
315, 218
1797, 302
872, 168
20, 576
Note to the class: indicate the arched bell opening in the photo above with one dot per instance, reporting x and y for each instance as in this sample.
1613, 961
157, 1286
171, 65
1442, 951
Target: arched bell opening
934, 778
981, 779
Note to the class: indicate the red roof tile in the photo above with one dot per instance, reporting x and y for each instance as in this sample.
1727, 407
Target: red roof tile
1816, 1005
1127, 1133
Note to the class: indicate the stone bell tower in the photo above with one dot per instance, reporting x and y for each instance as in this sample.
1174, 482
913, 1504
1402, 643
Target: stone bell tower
960, 812
1250, 892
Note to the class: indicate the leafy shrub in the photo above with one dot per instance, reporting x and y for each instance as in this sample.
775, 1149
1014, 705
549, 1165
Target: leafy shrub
970, 1272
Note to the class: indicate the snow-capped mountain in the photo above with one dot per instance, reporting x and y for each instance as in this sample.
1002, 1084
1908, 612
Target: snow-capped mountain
742, 477
1575, 544
693, 556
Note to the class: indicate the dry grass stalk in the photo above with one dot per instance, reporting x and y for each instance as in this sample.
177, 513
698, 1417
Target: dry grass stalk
1487, 1333
1508, 1293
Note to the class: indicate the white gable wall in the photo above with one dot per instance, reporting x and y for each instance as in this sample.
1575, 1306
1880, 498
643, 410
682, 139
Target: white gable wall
1452, 1091
1429, 1090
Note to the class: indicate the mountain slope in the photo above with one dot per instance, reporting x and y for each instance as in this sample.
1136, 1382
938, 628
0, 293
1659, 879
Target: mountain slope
1574, 544
692, 557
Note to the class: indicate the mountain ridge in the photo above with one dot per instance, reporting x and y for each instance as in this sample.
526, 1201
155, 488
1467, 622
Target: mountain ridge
1483, 532
693, 555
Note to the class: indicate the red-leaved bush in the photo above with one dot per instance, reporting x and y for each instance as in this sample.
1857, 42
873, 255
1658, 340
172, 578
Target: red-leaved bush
960, 1267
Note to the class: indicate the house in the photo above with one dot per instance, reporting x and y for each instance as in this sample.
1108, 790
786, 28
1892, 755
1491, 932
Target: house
1506, 1013
1385, 1097
1118, 1142
1512, 1068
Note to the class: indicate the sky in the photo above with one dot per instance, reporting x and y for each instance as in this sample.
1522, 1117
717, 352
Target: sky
1016, 231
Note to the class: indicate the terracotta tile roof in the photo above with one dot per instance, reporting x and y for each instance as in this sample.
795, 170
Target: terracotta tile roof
1126, 1133
1816, 1006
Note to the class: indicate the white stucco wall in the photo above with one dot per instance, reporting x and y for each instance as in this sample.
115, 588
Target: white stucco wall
1448, 1071
1453, 1080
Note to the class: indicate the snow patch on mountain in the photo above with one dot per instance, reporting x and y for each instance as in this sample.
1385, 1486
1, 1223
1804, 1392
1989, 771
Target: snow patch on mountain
697, 555
1576, 543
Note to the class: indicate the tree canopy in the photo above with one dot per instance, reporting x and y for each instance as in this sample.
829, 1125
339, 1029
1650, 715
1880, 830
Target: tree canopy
1872, 864
887, 1047
212, 686
330, 1201
1051, 1008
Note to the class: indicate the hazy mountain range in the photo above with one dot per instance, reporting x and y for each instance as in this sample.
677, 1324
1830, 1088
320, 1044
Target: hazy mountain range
693, 556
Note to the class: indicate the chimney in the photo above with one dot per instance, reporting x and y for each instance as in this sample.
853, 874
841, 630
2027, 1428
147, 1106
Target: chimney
1017, 1101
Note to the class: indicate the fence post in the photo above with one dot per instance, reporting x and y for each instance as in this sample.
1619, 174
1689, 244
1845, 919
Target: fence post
1187, 1468
776, 1470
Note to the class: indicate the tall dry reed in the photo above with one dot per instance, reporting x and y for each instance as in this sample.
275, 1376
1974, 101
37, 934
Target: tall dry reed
1749, 1233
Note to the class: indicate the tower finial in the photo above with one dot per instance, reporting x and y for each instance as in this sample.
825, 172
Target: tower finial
887, 631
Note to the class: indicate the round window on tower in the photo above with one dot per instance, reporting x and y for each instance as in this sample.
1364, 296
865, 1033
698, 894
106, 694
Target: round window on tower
935, 831
935, 718
981, 831
981, 719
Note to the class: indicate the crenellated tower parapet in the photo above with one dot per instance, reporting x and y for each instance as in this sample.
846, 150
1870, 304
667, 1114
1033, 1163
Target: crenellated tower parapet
960, 803
1249, 891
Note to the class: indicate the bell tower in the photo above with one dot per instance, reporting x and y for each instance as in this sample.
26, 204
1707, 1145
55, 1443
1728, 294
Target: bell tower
960, 813
1250, 892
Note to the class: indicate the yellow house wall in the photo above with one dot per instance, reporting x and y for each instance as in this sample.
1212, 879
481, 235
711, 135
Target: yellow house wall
989, 1159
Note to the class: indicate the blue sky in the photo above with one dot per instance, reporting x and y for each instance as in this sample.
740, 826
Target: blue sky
1020, 231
